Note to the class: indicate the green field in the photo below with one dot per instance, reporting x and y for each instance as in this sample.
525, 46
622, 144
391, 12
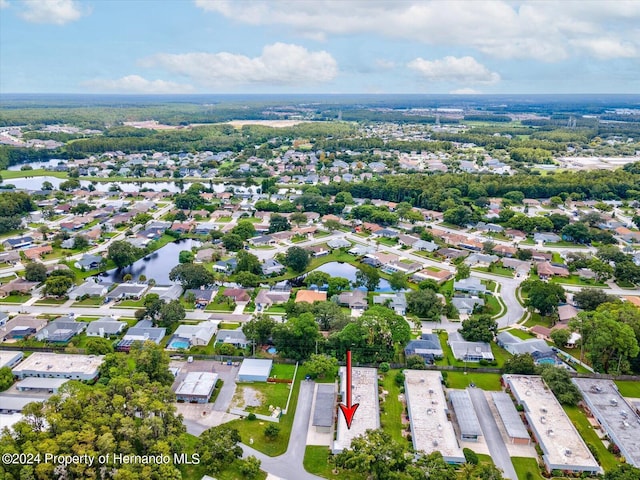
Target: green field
486, 381
11, 174
629, 388
317, 460
392, 408
526, 468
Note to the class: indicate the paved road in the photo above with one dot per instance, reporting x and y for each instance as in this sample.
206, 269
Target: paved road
497, 448
289, 466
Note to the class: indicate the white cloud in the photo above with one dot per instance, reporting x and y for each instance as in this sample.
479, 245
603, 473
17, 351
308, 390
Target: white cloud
464, 91
466, 70
539, 29
4, 4
136, 84
57, 12
606, 48
279, 64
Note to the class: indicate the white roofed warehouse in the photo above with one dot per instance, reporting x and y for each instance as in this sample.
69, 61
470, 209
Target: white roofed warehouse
562, 446
59, 365
197, 387
255, 370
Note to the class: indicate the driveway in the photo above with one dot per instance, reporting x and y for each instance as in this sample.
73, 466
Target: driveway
497, 448
289, 466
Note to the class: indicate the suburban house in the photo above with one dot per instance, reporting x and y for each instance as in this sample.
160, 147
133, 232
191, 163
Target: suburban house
469, 285
355, 300
18, 285
236, 294
193, 335
61, 330
395, 301
266, 298
469, 351
466, 305
105, 327
547, 270
89, 288
143, 331
236, 338
203, 296
89, 262
310, 296
272, 267
428, 347
17, 243
128, 290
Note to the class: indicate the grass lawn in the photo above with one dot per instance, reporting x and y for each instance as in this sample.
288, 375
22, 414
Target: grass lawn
275, 309
89, 302
228, 326
564, 244
15, 299
576, 280
486, 381
252, 429
274, 394
516, 332
392, 408
223, 220
500, 354
525, 465
317, 460
496, 270
537, 319
628, 388
10, 174
132, 303
219, 307
579, 419
51, 301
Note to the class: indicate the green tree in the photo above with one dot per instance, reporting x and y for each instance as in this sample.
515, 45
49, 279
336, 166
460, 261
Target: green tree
337, 285
479, 329
250, 467
398, 281
321, 366
248, 262
98, 346
543, 296
244, 229
328, 314
122, 253
377, 454
219, 447
368, 276
278, 223
590, 299
610, 343
57, 286
317, 277
35, 272
459, 215
464, 271
6, 378
272, 431
622, 472
191, 275
298, 218
297, 338
247, 279
297, 259
171, 313
186, 256
559, 381
425, 304
560, 336
232, 242
259, 329
522, 364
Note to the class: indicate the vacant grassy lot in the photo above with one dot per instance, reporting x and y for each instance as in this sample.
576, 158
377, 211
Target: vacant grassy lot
629, 388
486, 381
390, 419
579, 419
526, 468
317, 460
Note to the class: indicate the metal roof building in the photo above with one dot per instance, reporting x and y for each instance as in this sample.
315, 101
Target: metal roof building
49, 385
562, 446
15, 404
197, 387
10, 358
612, 411
431, 429
465, 415
364, 389
511, 420
254, 370
59, 365
325, 407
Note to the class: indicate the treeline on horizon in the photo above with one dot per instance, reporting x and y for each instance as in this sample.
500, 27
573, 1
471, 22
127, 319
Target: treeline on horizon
429, 191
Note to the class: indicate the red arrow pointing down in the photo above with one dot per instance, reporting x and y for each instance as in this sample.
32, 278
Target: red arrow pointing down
348, 410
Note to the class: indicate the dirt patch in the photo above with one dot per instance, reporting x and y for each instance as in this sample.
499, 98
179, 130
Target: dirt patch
247, 397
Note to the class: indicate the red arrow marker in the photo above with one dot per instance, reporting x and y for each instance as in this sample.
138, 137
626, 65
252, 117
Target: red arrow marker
348, 410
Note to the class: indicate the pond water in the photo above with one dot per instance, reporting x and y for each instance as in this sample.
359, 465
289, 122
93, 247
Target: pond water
348, 271
36, 165
156, 265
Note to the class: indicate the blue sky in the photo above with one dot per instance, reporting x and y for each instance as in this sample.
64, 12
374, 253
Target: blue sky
320, 46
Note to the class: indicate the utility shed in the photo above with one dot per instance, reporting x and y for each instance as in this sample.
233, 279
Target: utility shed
254, 370
511, 420
325, 407
35, 384
465, 415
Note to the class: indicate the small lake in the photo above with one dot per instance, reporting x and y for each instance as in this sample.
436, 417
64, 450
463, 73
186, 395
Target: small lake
156, 265
348, 271
36, 165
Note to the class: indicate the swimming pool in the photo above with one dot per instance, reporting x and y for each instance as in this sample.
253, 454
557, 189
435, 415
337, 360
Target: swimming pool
272, 350
177, 344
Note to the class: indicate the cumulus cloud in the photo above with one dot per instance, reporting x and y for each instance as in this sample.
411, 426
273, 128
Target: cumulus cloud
538, 29
136, 84
466, 70
278, 64
4, 4
57, 12
606, 48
